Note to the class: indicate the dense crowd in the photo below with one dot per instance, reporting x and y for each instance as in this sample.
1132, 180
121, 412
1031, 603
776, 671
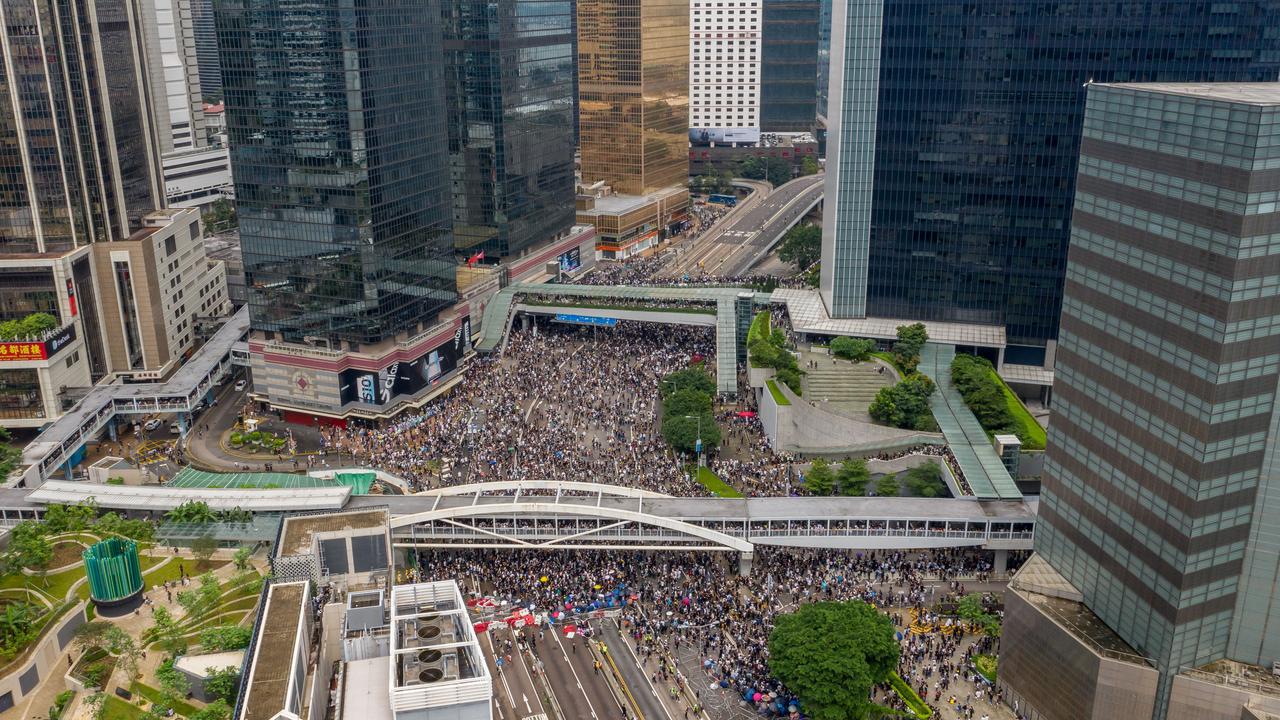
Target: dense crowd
561, 406
696, 621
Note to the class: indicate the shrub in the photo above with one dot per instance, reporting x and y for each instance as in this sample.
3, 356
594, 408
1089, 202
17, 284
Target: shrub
926, 480
855, 349
769, 350
905, 405
917, 706
911, 340
986, 666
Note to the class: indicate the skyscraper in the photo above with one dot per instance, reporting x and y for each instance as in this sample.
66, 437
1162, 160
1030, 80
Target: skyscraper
955, 131
633, 90
174, 73
205, 32
1160, 485
510, 76
789, 65
340, 157
724, 69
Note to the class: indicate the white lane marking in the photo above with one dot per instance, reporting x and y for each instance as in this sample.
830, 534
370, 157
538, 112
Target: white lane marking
575, 675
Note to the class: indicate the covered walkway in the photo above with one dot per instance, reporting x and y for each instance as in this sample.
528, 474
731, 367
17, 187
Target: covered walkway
982, 467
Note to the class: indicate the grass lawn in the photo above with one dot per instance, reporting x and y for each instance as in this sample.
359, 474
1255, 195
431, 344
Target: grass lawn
113, 708
155, 696
1029, 431
712, 482
778, 397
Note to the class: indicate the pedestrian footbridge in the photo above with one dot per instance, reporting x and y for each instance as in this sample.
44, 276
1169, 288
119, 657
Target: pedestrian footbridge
567, 516
728, 309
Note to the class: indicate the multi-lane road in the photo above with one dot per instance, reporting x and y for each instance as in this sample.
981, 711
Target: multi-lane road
542, 674
743, 237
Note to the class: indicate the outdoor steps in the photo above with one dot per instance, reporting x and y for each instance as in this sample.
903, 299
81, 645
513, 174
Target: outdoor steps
844, 382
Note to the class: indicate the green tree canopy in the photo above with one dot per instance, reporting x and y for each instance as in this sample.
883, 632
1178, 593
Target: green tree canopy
801, 246
926, 480
809, 165
852, 477
911, 340
820, 479
905, 405
225, 637
224, 684
855, 349
688, 379
682, 432
686, 402
887, 485
831, 654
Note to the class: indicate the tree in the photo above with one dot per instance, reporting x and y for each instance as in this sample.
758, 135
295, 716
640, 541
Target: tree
831, 654
60, 519
92, 634
801, 246
222, 638
199, 600
168, 633
682, 432
753, 168
819, 480
853, 476
224, 684
972, 607
911, 340
808, 166
241, 558
887, 485
777, 170
221, 216
96, 702
688, 379
976, 382
926, 480
192, 511
855, 349
686, 402
173, 687
10, 456
905, 405
203, 548
216, 710
30, 548
122, 645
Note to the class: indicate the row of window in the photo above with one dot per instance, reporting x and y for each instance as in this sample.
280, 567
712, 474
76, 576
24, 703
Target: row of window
1180, 231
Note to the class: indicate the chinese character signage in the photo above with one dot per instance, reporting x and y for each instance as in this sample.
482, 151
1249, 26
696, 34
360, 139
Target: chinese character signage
23, 351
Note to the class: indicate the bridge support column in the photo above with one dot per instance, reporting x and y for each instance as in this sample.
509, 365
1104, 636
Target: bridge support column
1000, 567
182, 424
524, 323
744, 563
112, 433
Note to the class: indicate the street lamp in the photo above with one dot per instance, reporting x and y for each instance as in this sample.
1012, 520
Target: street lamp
698, 446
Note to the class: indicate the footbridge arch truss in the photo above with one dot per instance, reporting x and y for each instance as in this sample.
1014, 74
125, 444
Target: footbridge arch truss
581, 520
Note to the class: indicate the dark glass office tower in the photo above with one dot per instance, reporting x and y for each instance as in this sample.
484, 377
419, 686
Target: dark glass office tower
824, 54
1161, 495
975, 110
510, 86
206, 37
339, 147
80, 160
788, 65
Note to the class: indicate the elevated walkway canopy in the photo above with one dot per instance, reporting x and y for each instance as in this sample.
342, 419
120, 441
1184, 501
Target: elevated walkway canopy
982, 467
734, 308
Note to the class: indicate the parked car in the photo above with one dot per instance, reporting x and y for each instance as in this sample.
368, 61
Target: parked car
240, 385
151, 424
174, 428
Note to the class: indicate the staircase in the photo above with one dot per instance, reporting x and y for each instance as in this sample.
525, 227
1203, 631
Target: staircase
846, 384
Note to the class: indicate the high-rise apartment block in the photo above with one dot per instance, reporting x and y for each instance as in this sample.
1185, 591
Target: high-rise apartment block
1161, 489
724, 66
954, 136
510, 87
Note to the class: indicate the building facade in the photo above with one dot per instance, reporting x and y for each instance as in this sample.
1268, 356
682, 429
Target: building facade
1160, 484
173, 71
955, 132
205, 33
633, 93
510, 86
724, 66
789, 65
343, 198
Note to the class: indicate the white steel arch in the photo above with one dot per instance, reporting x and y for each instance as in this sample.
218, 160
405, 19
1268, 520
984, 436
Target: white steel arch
522, 509
559, 485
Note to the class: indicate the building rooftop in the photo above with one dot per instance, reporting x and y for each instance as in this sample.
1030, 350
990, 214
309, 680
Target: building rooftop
1250, 678
296, 535
436, 659
164, 497
268, 685
202, 665
1261, 93
364, 691
809, 314
618, 204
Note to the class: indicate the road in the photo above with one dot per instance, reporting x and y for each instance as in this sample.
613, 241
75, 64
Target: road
580, 692
515, 693
690, 254
744, 236
639, 687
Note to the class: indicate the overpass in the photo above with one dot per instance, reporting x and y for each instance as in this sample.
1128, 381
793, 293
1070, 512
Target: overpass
188, 387
732, 309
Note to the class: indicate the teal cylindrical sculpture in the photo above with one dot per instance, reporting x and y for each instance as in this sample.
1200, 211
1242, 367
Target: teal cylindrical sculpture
115, 574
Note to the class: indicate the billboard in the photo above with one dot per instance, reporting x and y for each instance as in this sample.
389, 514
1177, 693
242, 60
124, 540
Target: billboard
571, 260
724, 136
405, 378
20, 351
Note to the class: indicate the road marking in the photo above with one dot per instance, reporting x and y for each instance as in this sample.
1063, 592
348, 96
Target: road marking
501, 675
576, 679
539, 716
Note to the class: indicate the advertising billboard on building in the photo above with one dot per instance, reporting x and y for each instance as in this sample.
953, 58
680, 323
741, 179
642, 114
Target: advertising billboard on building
20, 351
400, 379
724, 136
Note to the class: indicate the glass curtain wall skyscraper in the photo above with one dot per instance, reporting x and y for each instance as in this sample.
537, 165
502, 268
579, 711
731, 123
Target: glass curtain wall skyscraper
789, 65
957, 126
510, 84
337, 132
633, 91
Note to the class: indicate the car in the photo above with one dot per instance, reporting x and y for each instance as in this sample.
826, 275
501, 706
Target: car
174, 428
151, 424
240, 384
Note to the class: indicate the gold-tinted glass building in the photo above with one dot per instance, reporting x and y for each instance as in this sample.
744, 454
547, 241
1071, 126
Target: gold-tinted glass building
633, 89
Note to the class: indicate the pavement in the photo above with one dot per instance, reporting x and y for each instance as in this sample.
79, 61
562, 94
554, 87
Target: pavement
744, 237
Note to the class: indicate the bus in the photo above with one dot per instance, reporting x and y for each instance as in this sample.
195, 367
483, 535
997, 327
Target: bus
726, 200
